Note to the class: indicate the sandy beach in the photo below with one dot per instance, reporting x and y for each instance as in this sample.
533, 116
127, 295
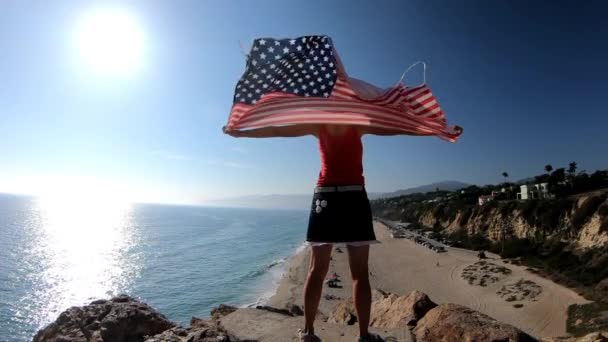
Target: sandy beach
509, 293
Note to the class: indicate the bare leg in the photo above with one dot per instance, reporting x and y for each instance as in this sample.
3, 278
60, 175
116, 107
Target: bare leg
319, 265
357, 259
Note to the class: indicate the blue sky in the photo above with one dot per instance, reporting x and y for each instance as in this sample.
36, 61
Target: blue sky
527, 82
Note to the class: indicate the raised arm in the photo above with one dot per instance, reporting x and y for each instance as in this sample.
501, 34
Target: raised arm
276, 132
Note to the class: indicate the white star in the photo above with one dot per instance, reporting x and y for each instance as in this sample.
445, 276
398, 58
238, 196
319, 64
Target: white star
254, 62
325, 58
292, 84
331, 83
238, 86
303, 87
254, 101
257, 91
326, 94
300, 65
314, 91
263, 71
307, 76
292, 41
303, 39
296, 90
271, 49
315, 73
246, 81
251, 85
242, 100
260, 81
277, 57
285, 50
322, 52
312, 67
289, 80
299, 48
296, 74
238, 95
323, 87
263, 55
255, 76
264, 85
311, 83
307, 94
312, 52
262, 42
331, 64
307, 60
277, 43
300, 80
333, 72
272, 66
319, 79
249, 95
327, 46
284, 89
315, 59
269, 76
327, 75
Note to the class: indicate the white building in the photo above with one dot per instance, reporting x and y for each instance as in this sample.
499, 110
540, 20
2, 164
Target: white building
534, 191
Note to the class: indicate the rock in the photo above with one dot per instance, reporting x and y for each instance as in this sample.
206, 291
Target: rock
344, 311
388, 310
222, 311
451, 322
593, 337
296, 310
394, 311
275, 310
120, 319
602, 286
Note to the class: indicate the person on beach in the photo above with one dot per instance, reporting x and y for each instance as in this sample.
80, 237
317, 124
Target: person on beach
340, 213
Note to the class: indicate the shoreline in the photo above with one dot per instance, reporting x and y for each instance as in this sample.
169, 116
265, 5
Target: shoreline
400, 266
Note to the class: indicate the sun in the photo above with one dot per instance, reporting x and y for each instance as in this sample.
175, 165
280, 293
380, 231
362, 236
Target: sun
110, 41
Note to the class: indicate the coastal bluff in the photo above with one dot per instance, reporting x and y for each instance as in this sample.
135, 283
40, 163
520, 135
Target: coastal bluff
397, 318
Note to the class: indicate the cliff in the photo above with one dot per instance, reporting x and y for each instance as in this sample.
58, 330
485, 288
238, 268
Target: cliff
567, 237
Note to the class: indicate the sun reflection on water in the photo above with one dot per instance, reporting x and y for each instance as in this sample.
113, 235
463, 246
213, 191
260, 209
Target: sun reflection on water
85, 252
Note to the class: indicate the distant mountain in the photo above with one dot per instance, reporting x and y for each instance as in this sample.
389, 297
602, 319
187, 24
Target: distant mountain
445, 185
303, 201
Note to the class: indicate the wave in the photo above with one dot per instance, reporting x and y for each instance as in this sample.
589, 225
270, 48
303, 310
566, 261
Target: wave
275, 269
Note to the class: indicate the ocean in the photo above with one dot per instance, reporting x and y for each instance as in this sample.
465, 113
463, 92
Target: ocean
182, 260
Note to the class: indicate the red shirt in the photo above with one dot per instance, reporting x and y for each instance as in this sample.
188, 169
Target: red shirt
341, 158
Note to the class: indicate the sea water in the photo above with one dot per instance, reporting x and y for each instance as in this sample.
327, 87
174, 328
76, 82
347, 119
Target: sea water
181, 260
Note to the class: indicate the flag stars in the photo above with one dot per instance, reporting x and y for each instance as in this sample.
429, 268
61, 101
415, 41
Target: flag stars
285, 50
263, 55
270, 49
262, 42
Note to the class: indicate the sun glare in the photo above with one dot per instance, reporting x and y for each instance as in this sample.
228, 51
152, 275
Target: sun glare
110, 41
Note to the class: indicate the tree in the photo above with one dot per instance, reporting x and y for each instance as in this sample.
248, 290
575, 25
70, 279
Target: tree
572, 168
572, 172
506, 175
548, 168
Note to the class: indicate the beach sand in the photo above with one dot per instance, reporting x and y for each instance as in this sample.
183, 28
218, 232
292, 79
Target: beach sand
400, 266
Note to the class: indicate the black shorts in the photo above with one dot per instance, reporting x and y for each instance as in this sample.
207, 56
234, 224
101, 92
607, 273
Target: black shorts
340, 217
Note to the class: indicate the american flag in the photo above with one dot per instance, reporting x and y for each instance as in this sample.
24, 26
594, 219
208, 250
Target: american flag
302, 81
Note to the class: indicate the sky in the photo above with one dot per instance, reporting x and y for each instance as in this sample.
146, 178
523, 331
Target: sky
526, 80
